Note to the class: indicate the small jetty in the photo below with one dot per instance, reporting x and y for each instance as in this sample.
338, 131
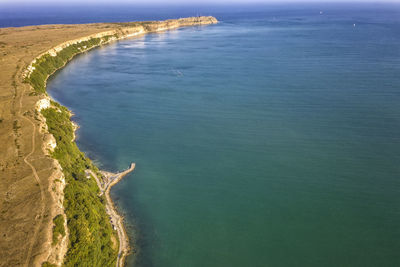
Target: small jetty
110, 179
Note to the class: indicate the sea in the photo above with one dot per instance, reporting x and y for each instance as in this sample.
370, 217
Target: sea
269, 139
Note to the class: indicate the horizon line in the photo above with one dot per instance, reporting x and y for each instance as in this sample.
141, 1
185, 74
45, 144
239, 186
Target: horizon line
183, 3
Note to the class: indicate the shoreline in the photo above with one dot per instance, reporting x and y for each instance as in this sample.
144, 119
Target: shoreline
101, 38
105, 184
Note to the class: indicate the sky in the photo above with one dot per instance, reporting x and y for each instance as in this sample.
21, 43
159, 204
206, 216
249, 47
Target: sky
186, 2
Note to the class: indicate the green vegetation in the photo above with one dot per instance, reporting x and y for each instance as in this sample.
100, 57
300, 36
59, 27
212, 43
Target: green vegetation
92, 241
90, 232
58, 228
47, 64
15, 125
47, 264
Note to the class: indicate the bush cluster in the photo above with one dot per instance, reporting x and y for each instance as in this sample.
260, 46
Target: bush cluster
90, 232
47, 64
58, 228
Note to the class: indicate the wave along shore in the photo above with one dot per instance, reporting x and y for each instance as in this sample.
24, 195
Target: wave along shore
84, 224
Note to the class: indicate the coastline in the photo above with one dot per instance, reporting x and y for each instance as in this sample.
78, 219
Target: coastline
101, 39
105, 183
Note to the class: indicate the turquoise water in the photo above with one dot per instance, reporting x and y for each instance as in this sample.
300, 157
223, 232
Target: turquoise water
270, 139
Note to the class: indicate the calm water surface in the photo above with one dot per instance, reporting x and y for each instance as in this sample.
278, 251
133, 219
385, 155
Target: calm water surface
270, 139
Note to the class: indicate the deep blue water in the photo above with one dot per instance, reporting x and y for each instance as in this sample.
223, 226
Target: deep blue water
270, 139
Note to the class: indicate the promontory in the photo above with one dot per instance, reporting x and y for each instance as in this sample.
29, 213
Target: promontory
54, 204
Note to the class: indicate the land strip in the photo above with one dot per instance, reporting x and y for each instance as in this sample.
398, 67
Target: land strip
31, 179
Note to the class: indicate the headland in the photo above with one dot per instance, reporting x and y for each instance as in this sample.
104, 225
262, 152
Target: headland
51, 213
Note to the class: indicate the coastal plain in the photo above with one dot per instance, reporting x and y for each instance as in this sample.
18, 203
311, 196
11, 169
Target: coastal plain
31, 179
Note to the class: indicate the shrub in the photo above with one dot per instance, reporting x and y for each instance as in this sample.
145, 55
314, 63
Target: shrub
58, 228
89, 228
48, 264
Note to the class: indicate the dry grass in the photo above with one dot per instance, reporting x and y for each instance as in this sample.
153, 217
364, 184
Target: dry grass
21, 197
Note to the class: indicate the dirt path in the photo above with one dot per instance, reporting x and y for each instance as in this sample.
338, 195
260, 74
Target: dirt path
109, 180
40, 216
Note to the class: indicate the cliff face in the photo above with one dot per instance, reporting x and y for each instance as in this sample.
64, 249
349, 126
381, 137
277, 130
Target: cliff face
127, 30
37, 73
